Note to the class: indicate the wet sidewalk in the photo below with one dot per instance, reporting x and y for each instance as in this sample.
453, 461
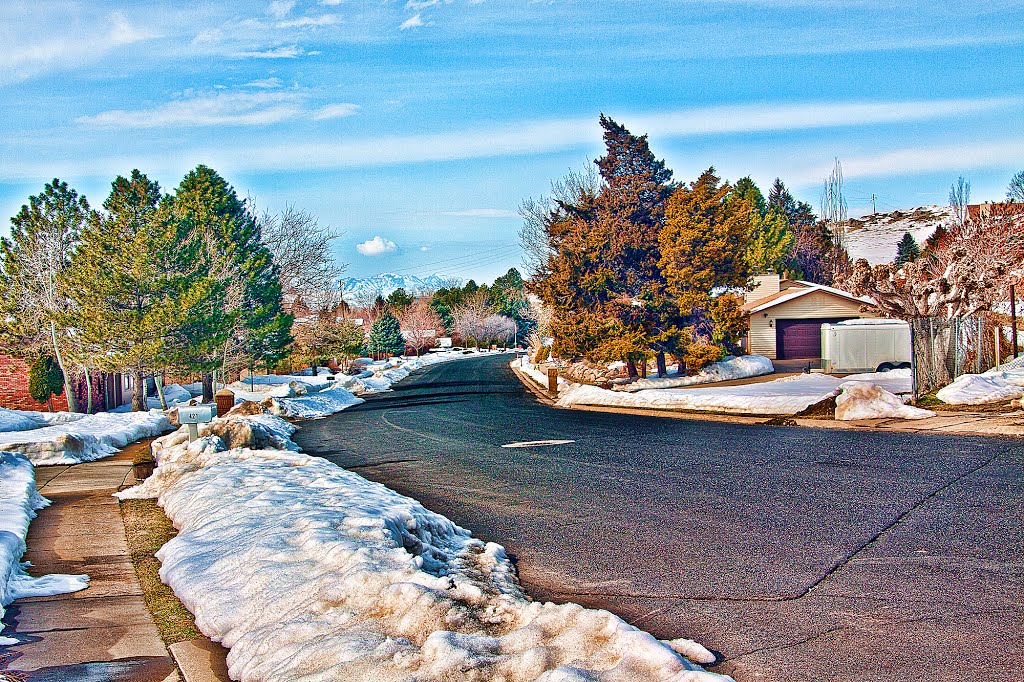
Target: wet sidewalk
105, 631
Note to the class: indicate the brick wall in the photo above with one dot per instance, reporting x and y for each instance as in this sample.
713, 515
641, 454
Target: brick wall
14, 387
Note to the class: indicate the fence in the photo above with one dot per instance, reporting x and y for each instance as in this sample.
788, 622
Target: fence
944, 349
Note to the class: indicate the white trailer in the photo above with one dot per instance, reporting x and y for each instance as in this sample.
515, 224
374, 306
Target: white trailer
865, 345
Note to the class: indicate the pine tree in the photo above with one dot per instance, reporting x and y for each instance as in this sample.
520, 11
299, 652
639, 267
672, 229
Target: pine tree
386, 336
771, 243
398, 300
907, 250
703, 248
43, 237
139, 293
45, 380
256, 327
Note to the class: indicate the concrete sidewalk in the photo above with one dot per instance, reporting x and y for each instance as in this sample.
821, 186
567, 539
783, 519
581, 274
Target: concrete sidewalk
104, 632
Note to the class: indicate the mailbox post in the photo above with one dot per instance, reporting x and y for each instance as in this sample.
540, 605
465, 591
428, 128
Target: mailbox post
552, 381
194, 416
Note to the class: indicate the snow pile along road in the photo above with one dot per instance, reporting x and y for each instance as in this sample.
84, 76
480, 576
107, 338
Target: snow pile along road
307, 571
788, 395
85, 439
729, 369
863, 400
992, 386
19, 501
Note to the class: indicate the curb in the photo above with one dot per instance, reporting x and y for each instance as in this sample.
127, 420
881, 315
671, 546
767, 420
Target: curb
201, 660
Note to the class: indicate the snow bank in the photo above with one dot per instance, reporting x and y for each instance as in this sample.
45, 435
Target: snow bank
321, 404
307, 571
19, 501
994, 385
534, 372
863, 400
90, 437
788, 395
24, 420
728, 369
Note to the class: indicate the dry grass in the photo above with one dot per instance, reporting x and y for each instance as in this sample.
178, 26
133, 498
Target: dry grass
147, 529
929, 401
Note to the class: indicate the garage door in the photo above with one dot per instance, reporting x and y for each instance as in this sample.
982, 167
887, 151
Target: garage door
800, 338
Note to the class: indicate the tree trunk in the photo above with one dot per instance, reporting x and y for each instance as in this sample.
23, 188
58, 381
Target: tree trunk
312, 368
139, 397
643, 369
662, 369
680, 366
49, 402
631, 368
72, 403
207, 388
158, 379
88, 390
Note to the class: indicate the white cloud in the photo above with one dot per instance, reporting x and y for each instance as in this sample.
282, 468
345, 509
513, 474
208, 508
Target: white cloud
309, 21
283, 52
417, 5
339, 110
271, 83
36, 55
220, 109
483, 213
376, 246
279, 9
412, 22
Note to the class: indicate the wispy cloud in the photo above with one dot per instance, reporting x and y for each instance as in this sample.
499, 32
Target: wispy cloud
340, 110
279, 9
265, 83
219, 109
377, 246
483, 213
22, 60
282, 52
412, 22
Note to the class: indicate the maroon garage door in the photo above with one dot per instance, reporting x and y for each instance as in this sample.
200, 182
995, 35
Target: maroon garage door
800, 338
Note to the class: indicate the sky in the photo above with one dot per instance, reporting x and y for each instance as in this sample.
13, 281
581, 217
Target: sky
417, 128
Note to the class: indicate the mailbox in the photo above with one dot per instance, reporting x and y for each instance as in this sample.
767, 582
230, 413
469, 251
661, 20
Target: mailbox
194, 415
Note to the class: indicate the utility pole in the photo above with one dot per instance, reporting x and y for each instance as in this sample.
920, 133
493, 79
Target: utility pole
1013, 320
873, 211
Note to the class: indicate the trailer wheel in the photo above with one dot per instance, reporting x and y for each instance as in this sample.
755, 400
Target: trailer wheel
886, 367
904, 365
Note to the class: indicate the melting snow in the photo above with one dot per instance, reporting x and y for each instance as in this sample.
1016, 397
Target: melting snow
83, 439
729, 369
863, 400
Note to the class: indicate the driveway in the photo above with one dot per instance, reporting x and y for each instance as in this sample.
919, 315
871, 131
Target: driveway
797, 554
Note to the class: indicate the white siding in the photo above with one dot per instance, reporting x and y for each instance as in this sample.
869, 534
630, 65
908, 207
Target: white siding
819, 304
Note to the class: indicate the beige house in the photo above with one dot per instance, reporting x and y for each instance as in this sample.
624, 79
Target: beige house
786, 316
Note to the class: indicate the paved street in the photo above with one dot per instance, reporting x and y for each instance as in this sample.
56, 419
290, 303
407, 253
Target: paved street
798, 554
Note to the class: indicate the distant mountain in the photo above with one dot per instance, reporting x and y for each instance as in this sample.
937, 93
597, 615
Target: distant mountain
874, 237
364, 289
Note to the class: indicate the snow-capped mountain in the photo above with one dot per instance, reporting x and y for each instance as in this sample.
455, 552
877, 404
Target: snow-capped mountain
874, 237
364, 289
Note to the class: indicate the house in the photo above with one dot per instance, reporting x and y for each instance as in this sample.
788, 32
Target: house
108, 390
785, 316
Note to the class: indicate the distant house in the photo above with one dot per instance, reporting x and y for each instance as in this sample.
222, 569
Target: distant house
109, 390
786, 315
997, 209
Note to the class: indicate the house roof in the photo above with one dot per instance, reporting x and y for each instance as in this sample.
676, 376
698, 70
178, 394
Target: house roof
800, 288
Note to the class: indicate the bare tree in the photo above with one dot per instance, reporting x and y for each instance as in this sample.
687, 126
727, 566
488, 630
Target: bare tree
538, 213
421, 325
301, 248
959, 200
1015, 190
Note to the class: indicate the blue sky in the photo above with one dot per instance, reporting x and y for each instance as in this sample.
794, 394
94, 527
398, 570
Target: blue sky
425, 123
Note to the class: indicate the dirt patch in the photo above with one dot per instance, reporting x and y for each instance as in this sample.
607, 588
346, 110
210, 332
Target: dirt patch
147, 529
825, 409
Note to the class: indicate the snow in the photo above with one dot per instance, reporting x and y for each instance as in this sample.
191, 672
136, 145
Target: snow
875, 237
307, 571
534, 372
1005, 383
174, 394
863, 400
19, 502
321, 404
729, 369
788, 395
85, 439
24, 420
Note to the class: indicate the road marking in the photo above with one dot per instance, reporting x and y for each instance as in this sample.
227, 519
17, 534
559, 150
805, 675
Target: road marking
537, 443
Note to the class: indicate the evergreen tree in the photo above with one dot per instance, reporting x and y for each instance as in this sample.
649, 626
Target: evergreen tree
747, 190
703, 249
771, 243
907, 250
386, 336
140, 294
398, 301
255, 328
45, 380
34, 260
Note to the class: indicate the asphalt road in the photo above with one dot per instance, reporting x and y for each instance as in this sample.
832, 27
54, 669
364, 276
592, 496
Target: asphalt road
797, 554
